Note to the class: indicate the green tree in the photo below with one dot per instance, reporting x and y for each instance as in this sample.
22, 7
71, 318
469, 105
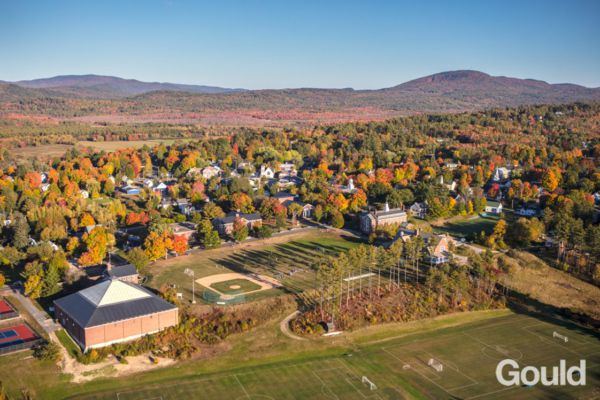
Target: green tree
138, 258
19, 231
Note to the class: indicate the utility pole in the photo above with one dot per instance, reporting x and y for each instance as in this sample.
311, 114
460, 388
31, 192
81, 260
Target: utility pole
191, 273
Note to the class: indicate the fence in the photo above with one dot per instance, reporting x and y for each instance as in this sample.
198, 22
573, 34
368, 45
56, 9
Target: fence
21, 346
215, 298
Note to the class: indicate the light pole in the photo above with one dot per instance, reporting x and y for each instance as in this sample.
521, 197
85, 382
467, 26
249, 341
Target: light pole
190, 272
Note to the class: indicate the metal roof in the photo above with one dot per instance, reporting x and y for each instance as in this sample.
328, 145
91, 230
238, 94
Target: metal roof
111, 301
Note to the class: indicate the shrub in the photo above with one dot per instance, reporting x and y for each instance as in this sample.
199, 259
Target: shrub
47, 351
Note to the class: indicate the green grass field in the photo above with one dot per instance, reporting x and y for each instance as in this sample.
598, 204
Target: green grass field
468, 227
398, 367
235, 286
289, 261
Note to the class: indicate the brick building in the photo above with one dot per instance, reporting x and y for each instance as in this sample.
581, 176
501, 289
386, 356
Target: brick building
113, 311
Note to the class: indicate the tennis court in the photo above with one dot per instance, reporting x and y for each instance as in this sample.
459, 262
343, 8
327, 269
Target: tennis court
6, 310
16, 335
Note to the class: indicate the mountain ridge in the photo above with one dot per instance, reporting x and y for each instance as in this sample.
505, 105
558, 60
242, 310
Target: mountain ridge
451, 91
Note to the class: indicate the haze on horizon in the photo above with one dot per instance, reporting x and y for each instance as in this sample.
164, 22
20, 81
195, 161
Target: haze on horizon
271, 44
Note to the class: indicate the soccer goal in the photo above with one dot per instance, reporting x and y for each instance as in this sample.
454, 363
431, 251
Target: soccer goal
435, 364
560, 337
367, 381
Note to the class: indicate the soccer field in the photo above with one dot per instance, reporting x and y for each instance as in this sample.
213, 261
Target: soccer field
399, 368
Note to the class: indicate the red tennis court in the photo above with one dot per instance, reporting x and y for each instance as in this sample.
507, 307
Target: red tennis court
5, 308
17, 334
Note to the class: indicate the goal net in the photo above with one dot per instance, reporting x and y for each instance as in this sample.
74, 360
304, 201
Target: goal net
435, 364
560, 337
368, 382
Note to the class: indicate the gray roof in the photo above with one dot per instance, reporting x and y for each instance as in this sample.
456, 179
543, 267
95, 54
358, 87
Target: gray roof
231, 216
90, 307
119, 271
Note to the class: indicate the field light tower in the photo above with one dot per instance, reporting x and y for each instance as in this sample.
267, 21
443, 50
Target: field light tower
190, 272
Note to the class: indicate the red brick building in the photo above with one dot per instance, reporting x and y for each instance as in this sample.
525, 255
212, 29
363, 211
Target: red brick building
113, 311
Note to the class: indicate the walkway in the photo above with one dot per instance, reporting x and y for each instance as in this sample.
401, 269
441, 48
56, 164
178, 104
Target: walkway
285, 326
42, 318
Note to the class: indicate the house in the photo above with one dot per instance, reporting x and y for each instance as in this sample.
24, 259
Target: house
129, 190
287, 169
186, 229
436, 250
418, 210
160, 188
493, 207
45, 187
84, 194
194, 172
501, 174
283, 197
307, 209
349, 188
211, 171
113, 311
225, 225
125, 273
266, 172
184, 206
149, 183
372, 220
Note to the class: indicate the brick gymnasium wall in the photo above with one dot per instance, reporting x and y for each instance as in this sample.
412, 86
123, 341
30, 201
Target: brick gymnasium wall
99, 336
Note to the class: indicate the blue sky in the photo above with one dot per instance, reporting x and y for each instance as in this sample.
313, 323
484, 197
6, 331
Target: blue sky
304, 43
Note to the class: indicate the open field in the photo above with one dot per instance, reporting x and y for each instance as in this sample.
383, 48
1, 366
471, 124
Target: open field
117, 145
287, 259
398, 367
57, 150
468, 227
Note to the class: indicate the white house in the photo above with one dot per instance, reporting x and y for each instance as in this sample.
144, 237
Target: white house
501, 173
266, 172
211, 171
493, 207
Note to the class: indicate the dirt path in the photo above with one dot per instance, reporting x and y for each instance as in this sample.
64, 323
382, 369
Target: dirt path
285, 327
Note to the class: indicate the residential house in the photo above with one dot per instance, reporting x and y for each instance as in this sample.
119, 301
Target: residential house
370, 221
493, 207
266, 172
211, 171
161, 188
436, 250
283, 197
185, 229
418, 210
501, 174
225, 225
129, 190
287, 169
184, 206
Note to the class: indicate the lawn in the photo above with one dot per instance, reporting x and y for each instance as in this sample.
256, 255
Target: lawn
235, 286
468, 227
397, 366
288, 259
